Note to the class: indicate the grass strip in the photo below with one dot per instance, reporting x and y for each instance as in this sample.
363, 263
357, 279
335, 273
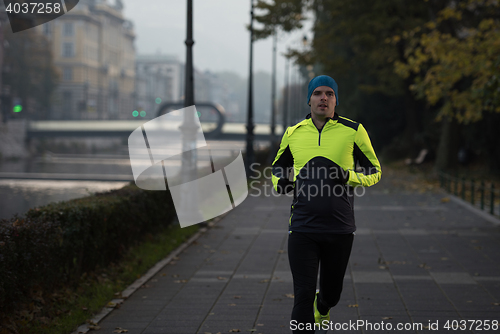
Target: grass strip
63, 311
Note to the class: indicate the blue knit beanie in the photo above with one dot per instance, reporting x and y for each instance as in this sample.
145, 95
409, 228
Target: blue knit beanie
322, 80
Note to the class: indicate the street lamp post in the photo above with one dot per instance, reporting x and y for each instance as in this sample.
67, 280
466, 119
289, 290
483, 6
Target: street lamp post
285, 95
273, 95
188, 127
250, 125
293, 94
189, 79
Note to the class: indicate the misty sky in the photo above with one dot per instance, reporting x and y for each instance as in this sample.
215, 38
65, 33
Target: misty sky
221, 39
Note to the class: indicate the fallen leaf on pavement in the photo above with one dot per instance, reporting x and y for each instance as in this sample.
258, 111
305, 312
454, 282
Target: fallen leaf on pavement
234, 330
353, 305
290, 295
424, 265
120, 330
445, 200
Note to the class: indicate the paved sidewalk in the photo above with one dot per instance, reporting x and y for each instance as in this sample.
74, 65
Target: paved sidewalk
415, 259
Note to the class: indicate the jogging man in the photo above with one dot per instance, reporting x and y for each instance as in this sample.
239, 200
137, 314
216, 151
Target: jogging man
330, 155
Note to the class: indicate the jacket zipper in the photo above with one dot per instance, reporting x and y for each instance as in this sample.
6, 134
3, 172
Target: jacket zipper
319, 137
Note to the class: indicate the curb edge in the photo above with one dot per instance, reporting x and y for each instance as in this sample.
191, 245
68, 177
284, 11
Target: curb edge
490, 218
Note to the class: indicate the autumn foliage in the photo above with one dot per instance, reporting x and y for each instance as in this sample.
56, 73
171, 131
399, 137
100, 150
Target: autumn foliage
456, 60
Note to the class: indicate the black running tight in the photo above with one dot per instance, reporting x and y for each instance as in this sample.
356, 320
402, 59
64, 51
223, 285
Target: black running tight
305, 252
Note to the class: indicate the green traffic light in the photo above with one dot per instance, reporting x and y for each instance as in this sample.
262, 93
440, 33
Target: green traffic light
143, 113
18, 108
135, 113
158, 100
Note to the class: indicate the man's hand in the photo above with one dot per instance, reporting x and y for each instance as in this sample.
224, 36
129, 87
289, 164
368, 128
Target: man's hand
284, 186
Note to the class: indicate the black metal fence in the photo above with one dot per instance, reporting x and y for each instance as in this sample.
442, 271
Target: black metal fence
479, 193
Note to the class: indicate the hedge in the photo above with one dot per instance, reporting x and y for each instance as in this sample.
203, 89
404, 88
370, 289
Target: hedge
53, 245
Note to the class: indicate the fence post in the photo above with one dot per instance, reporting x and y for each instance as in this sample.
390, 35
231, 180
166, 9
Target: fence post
492, 199
482, 194
472, 191
463, 187
456, 184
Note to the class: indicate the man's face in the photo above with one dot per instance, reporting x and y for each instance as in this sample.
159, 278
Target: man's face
323, 102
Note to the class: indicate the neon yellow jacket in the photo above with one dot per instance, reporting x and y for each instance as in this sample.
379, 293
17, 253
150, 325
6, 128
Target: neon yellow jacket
327, 164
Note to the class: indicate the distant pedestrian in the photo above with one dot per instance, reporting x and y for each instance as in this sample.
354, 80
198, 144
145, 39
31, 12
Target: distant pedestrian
330, 155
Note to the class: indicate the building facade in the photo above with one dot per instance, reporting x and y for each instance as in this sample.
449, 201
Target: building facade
93, 50
162, 76
159, 78
216, 90
3, 21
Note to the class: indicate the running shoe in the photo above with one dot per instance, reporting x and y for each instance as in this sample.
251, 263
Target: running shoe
319, 318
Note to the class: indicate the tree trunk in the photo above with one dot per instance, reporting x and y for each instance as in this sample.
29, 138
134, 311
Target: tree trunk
412, 120
447, 154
